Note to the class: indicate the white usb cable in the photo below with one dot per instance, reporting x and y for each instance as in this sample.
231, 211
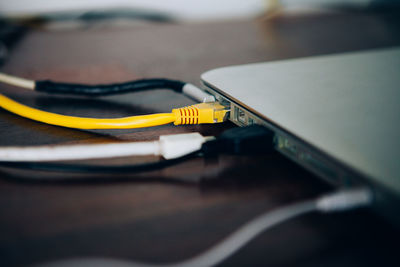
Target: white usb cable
168, 146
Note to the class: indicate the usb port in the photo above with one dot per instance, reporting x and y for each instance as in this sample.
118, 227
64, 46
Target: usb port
240, 116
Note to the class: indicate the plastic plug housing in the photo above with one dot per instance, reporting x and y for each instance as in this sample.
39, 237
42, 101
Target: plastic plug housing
254, 139
212, 112
177, 145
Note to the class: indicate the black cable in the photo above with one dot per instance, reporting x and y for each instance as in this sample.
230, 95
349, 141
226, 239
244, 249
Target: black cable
98, 15
91, 168
107, 89
131, 14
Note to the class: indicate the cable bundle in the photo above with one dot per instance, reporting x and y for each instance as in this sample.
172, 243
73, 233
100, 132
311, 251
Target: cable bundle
205, 113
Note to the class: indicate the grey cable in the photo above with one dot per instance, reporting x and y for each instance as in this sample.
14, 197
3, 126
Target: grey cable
342, 200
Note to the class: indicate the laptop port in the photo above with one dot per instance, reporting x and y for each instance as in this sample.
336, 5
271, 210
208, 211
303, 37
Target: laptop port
240, 116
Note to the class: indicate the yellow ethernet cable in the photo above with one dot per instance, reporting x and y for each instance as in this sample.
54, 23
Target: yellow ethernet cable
196, 114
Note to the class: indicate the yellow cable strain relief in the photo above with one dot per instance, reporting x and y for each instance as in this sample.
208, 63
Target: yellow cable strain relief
200, 113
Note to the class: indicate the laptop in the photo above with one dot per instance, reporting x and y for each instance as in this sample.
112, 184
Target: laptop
336, 115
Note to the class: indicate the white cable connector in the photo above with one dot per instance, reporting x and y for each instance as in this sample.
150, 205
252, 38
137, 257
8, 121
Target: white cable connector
169, 146
177, 145
344, 200
197, 94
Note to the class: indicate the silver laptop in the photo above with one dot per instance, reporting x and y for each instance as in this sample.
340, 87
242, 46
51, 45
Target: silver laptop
336, 115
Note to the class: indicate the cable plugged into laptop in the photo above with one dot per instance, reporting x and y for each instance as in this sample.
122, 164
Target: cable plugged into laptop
174, 149
254, 139
209, 111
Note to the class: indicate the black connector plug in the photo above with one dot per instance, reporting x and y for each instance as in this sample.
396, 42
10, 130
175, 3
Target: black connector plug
254, 139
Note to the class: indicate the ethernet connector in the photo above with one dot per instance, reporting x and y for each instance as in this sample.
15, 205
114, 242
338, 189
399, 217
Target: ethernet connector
201, 113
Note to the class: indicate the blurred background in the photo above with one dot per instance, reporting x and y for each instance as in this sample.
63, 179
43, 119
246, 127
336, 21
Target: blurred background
193, 10
18, 16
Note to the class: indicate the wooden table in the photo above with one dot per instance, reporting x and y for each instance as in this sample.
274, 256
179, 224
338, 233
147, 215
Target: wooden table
172, 214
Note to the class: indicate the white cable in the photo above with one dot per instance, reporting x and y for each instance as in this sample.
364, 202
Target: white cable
16, 81
77, 152
339, 201
169, 146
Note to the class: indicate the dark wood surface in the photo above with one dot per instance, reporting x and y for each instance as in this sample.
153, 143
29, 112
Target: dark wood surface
172, 214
